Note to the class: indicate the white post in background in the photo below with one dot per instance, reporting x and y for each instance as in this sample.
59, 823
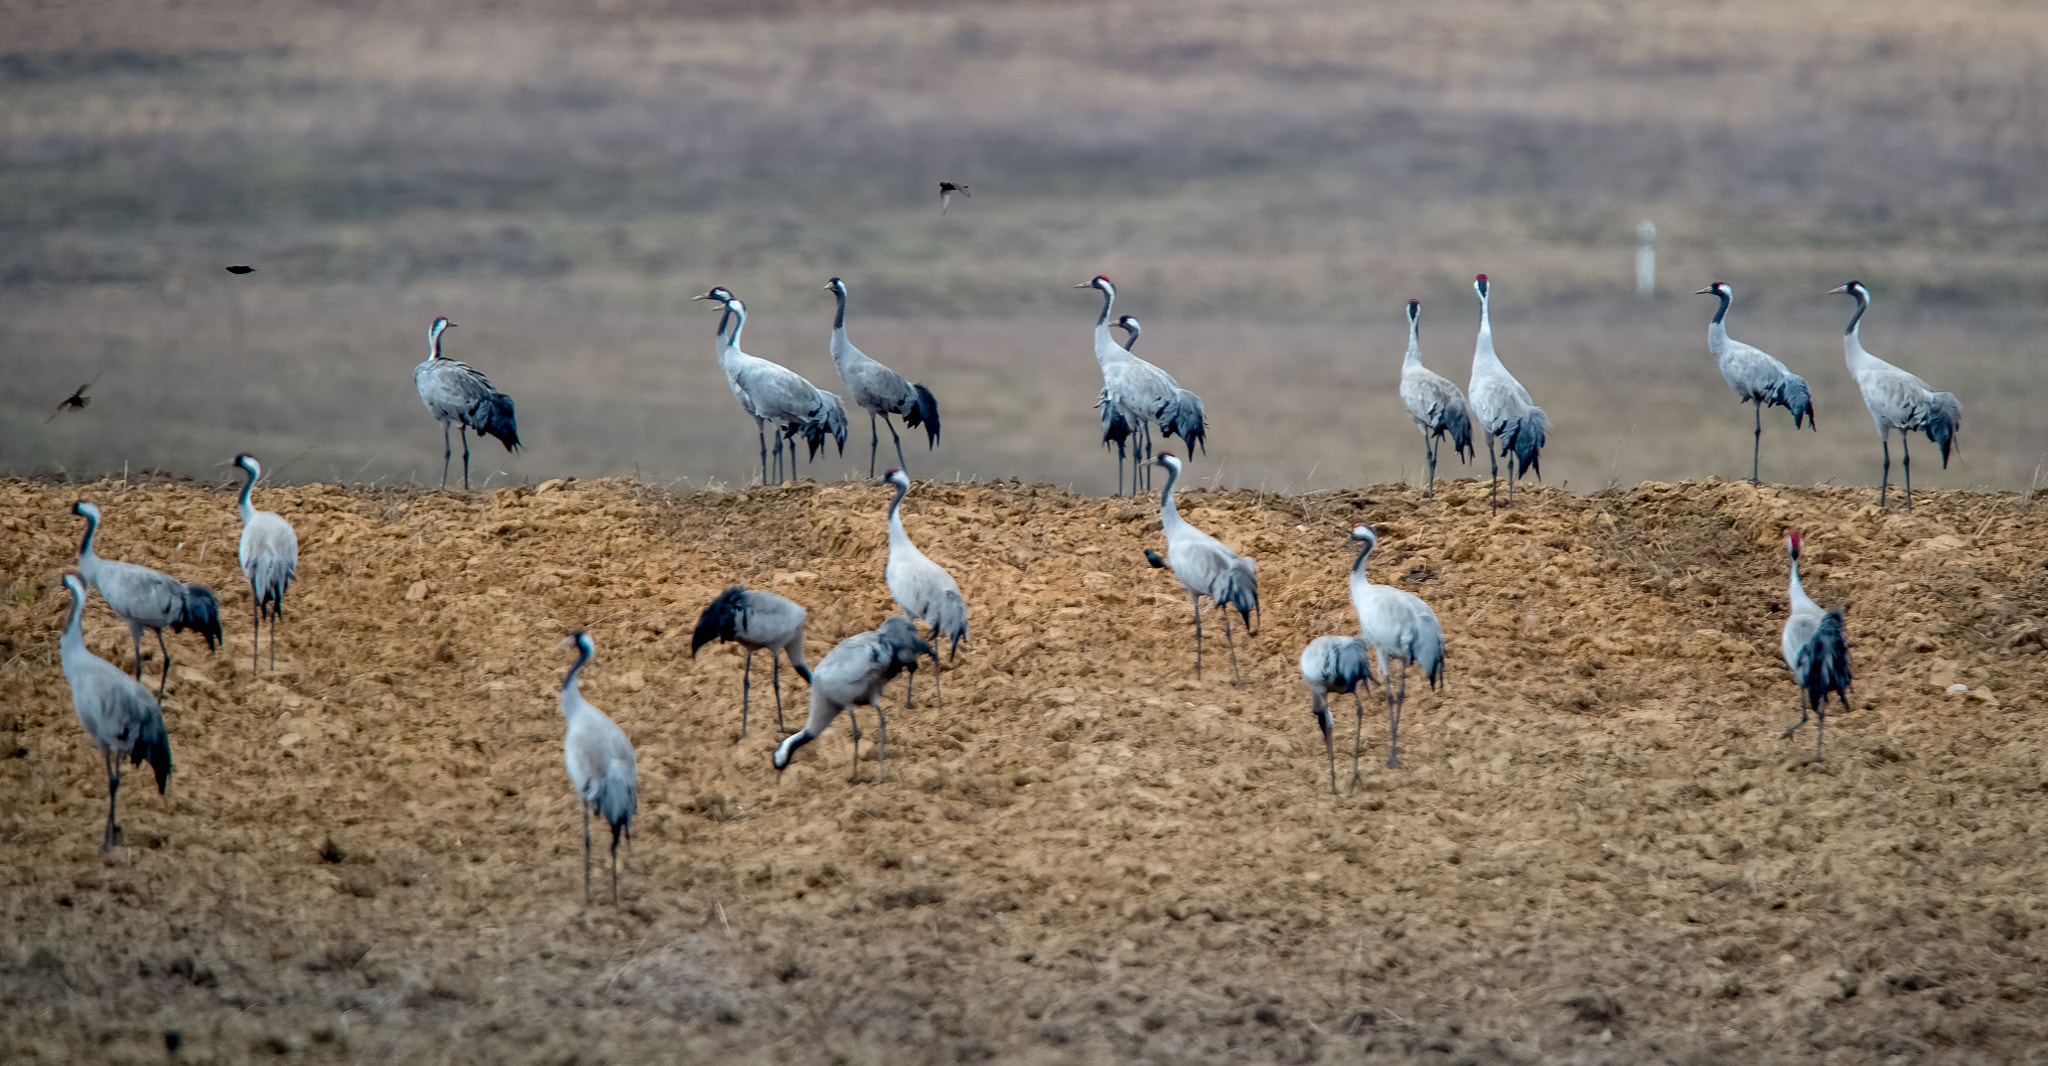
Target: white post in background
1646, 259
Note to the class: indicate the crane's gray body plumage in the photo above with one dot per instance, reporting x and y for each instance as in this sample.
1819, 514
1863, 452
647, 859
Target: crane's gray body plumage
1206, 568
1506, 414
269, 555
755, 621
1137, 394
773, 393
1437, 407
851, 674
880, 390
923, 588
1756, 377
1399, 626
1816, 649
459, 395
147, 599
1897, 400
602, 767
118, 713
1336, 664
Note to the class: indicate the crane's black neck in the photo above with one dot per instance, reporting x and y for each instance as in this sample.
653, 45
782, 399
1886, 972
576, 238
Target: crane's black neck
839, 319
582, 656
1108, 301
92, 526
896, 502
436, 339
1358, 564
1722, 313
1862, 305
248, 486
739, 322
1166, 494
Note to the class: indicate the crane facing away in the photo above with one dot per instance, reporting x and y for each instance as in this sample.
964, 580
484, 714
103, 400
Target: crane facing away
880, 390
755, 620
852, 674
1506, 413
601, 764
1897, 400
1756, 377
1336, 664
1817, 651
1206, 568
119, 714
1399, 626
1436, 405
147, 599
270, 559
458, 394
925, 591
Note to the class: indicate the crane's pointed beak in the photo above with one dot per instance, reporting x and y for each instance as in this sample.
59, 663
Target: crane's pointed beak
1704, 292
1085, 285
1836, 289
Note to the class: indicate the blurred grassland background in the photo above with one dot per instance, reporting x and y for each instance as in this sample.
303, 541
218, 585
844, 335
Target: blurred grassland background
1268, 183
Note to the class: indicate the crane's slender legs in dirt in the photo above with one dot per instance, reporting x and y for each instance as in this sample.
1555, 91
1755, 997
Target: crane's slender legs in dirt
1884, 437
1357, 742
135, 634
615, 867
746, 693
1394, 705
910, 690
586, 854
900, 464
462, 433
1756, 450
1819, 728
165, 677
276, 612
874, 443
1906, 446
1429, 449
113, 833
853, 721
881, 745
775, 671
1197, 598
1329, 747
1493, 463
761, 430
447, 453
938, 690
1235, 680
256, 633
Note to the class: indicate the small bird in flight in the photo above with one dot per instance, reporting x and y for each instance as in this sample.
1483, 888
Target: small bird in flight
239, 269
74, 402
946, 191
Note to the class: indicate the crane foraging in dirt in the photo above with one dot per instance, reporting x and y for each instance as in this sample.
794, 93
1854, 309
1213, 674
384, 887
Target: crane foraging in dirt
1206, 568
118, 713
147, 599
1399, 626
755, 621
601, 764
851, 674
1816, 650
1897, 400
1336, 664
1756, 377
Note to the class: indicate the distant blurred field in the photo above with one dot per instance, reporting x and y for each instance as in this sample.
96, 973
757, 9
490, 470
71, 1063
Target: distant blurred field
1267, 182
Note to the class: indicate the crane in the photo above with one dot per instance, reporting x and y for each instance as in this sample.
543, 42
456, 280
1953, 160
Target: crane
119, 714
1336, 664
269, 556
147, 599
1756, 377
1399, 626
1436, 405
1206, 568
852, 674
772, 393
458, 394
925, 591
600, 761
1816, 649
1897, 400
880, 390
755, 620
1506, 413
1141, 452
1136, 393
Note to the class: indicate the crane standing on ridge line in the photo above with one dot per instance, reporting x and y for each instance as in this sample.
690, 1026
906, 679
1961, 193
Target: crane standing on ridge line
147, 599
1336, 664
1506, 413
1756, 377
925, 591
1896, 399
1206, 568
1399, 626
601, 764
880, 390
755, 620
269, 555
1135, 393
1816, 650
458, 394
118, 713
1436, 405
851, 674
770, 392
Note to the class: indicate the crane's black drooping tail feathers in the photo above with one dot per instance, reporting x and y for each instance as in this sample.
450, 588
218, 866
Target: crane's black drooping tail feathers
722, 620
153, 746
1350, 669
1792, 395
493, 415
951, 621
1944, 421
1458, 424
924, 411
1183, 417
1824, 663
1524, 438
1240, 589
899, 640
830, 420
1116, 429
199, 611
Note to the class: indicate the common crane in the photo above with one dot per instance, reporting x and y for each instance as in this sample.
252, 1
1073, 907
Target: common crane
1817, 651
1141, 449
1206, 568
119, 714
851, 674
600, 761
772, 393
1436, 405
1336, 664
1513, 424
925, 591
755, 620
458, 394
880, 390
1756, 377
1897, 400
1136, 393
147, 599
1399, 626
270, 559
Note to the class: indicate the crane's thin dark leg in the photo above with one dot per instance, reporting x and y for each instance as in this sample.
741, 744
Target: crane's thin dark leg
1429, 452
881, 745
874, 443
1394, 705
615, 867
586, 854
1493, 461
1357, 741
910, 690
1794, 727
256, 633
1236, 680
775, 671
165, 679
1820, 730
938, 689
1757, 447
853, 721
1906, 446
1197, 598
900, 464
1884, 485
462, 434
113, 834
761, 430
274, 615
447, 453
135, 634
1120, 469
747, 689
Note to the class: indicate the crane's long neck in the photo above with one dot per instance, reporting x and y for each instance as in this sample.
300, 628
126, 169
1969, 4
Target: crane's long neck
1800, 600
1106, 347
572, 698
1358, 565
1414, 356
839, 319
1169, 515
1852, 338
434, 342
897, 537
842, 349
247, 509
739, 322
88, 563
1717, 330
1483, 354
72, 644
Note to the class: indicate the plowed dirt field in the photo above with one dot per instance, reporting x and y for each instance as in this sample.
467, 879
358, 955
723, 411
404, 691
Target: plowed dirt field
1599, 850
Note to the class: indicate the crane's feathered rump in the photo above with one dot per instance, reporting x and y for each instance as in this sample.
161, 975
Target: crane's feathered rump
1182, 416
922, 409
1457, 424
896, 638
493, 415
829, 419
1116, 427
1238, 587
1523, 437
143, 738
271, 575
949, 620
1338, 664
722, 620
1823, 664
1792, 395
198, 610
1944, 419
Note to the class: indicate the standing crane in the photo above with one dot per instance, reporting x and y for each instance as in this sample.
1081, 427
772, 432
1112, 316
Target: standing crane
147, 599
1206, 568
119, 714
852, 674
925, 591
1506, 413
1897, 400
1816, 649
270, 558
1336, 664
880, 390
1399, 626
600, 761
772, 393
1141, 452
1756, 377
1436, 405
458, 394
755, 620
1136, 393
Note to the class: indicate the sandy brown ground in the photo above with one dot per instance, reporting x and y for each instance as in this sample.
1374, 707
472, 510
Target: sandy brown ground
1599, 851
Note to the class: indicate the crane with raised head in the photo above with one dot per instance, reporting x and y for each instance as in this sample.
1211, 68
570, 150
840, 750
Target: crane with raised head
1136, 394
270, 559
1513, 424
1336, 664
755, 621
851, 674
1897, 400
879, 390
925, 591
118, 713
459, 395
1436, 405
601, 764
1206, 568
771, 393
1399, 626
1817, 651
147, 599
1755, 376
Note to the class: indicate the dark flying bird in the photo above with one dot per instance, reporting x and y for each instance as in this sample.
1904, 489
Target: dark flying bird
946, 191
239, 269
74, 402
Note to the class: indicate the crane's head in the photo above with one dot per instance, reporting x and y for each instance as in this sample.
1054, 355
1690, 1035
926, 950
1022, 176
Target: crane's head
440, 324
785, 750
717, 294
1480, 284
579, 642
897, 478
1364, 535
1793, 543
1853, 288
1414, 310
1099, 281
86, 510
1168, 460
75, 582
1719, 288
249, 465
836, 286
1131, 326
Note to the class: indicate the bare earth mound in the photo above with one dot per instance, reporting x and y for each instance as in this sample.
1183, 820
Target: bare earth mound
1600, 849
